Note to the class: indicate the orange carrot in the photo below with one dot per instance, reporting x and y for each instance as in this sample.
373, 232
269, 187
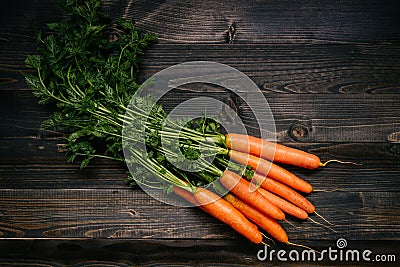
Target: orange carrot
225, 212
285, 206
188, 196
241, 188
284, 191
271, 170
272, 151
265, 222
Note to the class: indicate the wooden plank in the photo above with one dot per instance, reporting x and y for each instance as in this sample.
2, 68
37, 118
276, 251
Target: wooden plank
36, 163
329, 69
102, 252
381, 176
324, 117
257, 21
291, 68
327, 118
355, 68
125, 213
268, 22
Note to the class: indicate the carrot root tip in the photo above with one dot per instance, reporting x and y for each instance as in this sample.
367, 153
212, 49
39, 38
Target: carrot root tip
328, 190
323, 225
291, 224
325, 220
268, 238
265, 244
339, 161
302, 246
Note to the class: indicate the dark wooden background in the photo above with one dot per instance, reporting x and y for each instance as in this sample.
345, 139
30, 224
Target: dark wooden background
331, 73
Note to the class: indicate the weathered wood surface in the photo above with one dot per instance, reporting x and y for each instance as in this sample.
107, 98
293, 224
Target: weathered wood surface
149, 253
330, 71
124, 213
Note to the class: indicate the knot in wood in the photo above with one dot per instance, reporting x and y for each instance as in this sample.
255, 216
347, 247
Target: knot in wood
230, 35
298, 132
394, 137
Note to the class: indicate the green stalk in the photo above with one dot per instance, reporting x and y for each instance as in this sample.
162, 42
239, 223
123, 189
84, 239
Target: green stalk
160, 171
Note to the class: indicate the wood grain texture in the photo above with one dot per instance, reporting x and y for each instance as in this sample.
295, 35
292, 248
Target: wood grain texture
106, 252
268, 22
352, 68
26, 166
281, 22
125, 213
349, 68
328, 118
330, 72
286, 67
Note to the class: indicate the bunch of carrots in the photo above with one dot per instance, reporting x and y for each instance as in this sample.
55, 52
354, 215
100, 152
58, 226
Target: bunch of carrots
91, 79
277, 192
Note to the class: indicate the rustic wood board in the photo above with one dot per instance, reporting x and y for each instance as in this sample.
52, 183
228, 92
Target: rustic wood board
330, 71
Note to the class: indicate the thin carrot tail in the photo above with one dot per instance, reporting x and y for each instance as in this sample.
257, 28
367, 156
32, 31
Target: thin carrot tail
339, 161
319, 215
328, 190
265, 244
302, 246
291, 224
268, 238
323, 225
